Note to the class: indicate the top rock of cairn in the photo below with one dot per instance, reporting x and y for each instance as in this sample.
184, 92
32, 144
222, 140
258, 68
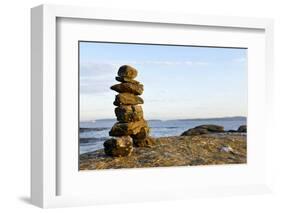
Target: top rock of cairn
127, 71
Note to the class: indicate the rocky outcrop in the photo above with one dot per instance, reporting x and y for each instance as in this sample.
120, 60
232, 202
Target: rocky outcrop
203, 129
129, 113
242, 128
209, 149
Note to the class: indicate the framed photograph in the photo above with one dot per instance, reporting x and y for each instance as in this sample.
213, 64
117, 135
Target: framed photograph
130, 106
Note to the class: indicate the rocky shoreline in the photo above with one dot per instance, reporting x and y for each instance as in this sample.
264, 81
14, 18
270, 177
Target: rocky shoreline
191, 150
131, 146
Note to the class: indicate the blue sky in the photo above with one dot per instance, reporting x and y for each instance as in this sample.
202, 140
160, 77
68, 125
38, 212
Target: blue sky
179, 81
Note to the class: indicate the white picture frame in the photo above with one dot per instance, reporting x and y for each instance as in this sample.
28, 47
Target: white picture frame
45, 168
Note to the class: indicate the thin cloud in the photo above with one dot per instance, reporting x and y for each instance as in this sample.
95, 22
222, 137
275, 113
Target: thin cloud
96, 77
116, 64
239, 60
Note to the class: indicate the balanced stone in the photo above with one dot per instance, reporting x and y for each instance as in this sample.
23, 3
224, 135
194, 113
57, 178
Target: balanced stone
127, 99
142, 138
118, 147
131, 128
129, 113
136, 89
127, 71
126, 80
126, 129
143, 133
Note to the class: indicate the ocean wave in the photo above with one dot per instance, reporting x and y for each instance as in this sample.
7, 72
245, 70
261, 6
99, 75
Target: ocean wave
96, 129
163, 127
92, 140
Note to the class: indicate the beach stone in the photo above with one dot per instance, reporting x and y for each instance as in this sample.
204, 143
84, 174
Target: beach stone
136, 89
226, 149
143, 133
127, 99
126, 80
129, 113
142, 138
127, 72
118, 147
203, 129
126, 129
145, 142
242, 128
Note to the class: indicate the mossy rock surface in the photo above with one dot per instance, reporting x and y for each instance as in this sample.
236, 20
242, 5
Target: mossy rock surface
209, 149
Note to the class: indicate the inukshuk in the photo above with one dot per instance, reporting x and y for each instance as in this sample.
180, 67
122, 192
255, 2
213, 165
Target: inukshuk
131, 128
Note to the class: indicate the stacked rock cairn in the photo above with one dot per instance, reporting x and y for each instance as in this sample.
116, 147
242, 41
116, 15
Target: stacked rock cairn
131, 129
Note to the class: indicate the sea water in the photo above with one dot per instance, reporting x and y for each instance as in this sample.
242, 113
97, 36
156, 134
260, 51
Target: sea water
94, 133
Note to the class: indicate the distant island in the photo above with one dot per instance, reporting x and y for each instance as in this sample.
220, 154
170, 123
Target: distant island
184, 119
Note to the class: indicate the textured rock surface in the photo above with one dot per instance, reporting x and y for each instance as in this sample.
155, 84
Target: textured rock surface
129, 113
127, 71
203, 129
144, 142
207, 149
127, 99
125, 129
126, 80
136, 89
118, 147
143, 133
242, 128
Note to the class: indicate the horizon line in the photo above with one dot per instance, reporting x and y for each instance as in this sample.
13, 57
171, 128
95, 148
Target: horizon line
196, 118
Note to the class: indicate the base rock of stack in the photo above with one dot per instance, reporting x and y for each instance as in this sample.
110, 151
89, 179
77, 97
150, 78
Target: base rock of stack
127, 99
129, 113
118, 147
136, 89
126, 129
